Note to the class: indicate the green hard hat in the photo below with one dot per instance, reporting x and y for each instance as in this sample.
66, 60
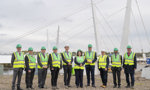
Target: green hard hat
43, 48
90, 45
18, 46
115, 49
79, 50
30, 49
54, 48
129, 46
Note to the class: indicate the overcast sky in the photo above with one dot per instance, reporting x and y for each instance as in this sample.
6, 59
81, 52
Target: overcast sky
27, 21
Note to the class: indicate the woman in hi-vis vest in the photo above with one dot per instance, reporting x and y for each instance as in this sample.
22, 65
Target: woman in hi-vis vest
79, 68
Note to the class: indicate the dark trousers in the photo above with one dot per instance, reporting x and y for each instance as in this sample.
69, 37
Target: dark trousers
116, 71
29, 78
79, 77
103, 75
67, 74
90, 70
54, 76
132, 78
17, 72
42, 73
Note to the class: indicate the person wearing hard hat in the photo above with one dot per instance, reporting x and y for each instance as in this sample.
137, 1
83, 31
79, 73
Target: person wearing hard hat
42, 60
30, 62
67, 66
103, 64
129, 65
18, 63
116, 61
55, 62
79, 68
91, 58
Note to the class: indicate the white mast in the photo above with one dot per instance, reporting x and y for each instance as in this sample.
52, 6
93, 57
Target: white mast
126, 28
47, 40
57, 43
95, 27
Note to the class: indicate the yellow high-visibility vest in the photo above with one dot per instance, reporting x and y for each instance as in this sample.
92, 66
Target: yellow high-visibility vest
102, 61
67, 57
56, 60
44, 60
32, 61
129, 60
19, 60
116, 60
90, 57
79, 60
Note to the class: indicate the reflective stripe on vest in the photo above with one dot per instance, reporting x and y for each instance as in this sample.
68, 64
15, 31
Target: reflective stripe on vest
90, 57
44, 60
67, 57
102, 61
116, 61
19, 60
56, 60
32, 61
129, 60
79, 60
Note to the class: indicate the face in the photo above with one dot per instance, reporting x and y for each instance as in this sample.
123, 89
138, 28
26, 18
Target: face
129, 50
115, 52
66, 48
31, 52
103, 53
90, 48
43, 51
18, 49
79, 53
55, 51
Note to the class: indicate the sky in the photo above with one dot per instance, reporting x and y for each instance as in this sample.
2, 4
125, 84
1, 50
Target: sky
28, 21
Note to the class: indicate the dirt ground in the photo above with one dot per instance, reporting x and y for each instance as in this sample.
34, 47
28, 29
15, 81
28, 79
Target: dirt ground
140, 83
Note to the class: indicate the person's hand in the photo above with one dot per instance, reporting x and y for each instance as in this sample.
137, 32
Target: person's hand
45, 67
52, 68
134, 68
80, 65
29, 71
69, 63
105, 69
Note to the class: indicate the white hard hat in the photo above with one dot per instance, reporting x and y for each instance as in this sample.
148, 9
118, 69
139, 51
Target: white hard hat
103, 50
67, 45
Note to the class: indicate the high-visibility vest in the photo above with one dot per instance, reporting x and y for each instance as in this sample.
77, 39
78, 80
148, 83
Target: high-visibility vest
19, 60
67, 57
116, 60
129, 60
79, 60
90, 57
44, 60
32, 61
102, 61
56, 60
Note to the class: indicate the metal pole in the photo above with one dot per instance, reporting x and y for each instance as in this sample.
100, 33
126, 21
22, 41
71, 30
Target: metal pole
57, 43
126, 28
95, 27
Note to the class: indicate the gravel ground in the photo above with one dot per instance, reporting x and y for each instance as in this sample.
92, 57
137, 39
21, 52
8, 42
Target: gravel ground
140, 83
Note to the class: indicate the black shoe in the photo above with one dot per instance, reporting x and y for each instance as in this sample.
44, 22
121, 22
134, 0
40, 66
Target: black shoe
69, 86
119, 86
128, 86
77, 86
31, 87
93, 86
18, 88
81, 86
87, 85
114, 86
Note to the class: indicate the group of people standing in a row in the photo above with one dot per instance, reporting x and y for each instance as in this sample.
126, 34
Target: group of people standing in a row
57, 61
